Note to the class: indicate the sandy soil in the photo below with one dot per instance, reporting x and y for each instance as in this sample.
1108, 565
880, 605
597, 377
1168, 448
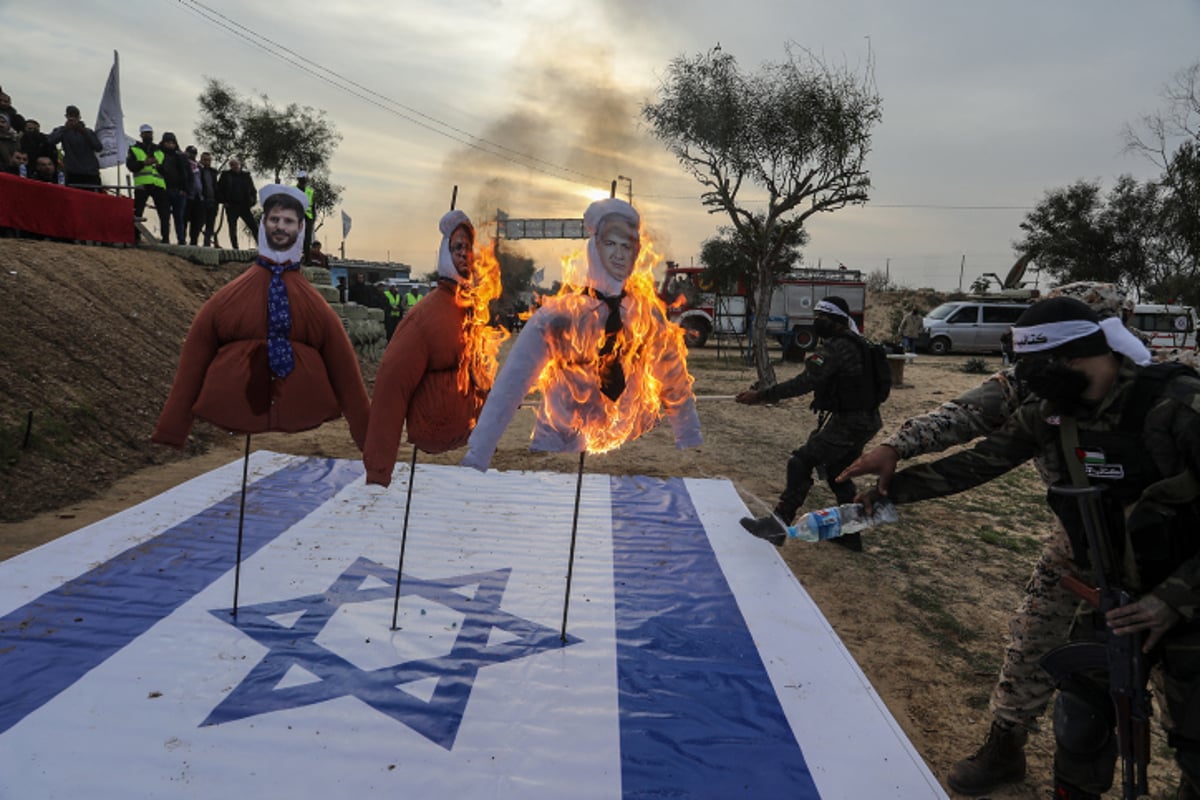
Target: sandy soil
923, 609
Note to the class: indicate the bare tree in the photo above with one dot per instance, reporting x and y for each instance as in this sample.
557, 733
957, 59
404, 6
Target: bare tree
799, 129
1178, 119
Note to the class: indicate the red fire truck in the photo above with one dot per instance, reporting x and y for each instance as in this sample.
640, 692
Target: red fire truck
704, 313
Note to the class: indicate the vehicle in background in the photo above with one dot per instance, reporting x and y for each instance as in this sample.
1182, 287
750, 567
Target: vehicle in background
970, 326
1168, 326
702, 312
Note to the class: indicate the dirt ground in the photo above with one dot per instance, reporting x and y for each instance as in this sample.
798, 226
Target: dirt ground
89, 339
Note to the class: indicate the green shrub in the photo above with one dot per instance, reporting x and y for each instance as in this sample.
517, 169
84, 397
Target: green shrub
976, 366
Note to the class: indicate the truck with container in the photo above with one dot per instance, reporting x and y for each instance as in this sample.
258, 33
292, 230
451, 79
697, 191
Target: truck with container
703, 312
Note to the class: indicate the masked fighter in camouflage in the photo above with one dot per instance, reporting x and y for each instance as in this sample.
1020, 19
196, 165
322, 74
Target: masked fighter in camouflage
1143, 423
1024, 689
836, 374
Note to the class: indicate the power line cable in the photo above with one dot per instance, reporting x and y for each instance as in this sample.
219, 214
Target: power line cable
390, 105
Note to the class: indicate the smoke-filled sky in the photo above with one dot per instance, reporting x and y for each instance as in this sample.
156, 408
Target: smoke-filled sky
534, 107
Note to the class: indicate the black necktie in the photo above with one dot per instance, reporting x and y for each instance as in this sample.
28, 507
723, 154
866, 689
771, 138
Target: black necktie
612, 374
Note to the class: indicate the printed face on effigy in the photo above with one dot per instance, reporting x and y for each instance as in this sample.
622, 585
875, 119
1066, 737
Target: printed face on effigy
460, 250
618, 244
283, 228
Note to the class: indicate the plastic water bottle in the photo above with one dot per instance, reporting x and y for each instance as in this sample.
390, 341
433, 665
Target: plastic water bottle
62, 179
23, 171
829, 523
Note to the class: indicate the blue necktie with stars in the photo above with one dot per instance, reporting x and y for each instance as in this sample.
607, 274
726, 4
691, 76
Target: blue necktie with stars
279, 319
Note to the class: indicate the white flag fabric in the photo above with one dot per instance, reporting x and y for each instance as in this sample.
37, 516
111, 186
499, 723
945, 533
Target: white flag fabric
110, 120
345, 224
538, 276
694, 664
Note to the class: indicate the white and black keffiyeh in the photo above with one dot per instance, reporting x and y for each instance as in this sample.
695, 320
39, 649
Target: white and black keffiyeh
826, 307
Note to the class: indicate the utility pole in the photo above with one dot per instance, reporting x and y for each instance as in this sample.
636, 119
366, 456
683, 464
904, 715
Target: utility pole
962, 266
630, 187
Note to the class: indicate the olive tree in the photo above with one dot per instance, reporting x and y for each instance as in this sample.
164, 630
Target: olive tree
798, 130
271, 141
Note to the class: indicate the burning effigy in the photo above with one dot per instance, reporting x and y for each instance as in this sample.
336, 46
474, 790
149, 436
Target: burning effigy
442, 359
607, 363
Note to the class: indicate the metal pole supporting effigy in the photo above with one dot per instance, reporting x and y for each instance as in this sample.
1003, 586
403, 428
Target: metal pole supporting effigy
571, 559
237, 567
412, 473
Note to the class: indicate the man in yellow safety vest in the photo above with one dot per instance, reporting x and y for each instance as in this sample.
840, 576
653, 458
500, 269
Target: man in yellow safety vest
144, 160
303, 185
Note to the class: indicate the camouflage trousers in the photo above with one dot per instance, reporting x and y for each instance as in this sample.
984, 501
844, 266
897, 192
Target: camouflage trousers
1042, 622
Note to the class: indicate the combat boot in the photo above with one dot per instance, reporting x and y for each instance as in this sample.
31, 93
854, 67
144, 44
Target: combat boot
770, 527
850, 541
1001, 759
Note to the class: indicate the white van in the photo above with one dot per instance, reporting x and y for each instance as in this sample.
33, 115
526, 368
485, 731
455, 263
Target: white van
969, 326
1168, 326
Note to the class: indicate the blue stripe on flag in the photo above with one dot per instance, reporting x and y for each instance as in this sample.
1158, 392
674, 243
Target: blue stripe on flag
698, 714
96, 614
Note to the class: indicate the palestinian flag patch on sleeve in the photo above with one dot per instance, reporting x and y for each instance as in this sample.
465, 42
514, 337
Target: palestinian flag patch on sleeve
815, 359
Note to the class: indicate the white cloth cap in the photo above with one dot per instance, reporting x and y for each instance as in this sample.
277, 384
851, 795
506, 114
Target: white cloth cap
448, 224
593, 220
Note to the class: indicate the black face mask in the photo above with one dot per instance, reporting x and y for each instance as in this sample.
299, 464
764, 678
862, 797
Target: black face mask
824, 328
1052, 380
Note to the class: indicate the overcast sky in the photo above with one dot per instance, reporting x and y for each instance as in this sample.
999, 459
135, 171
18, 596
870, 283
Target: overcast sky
986, 105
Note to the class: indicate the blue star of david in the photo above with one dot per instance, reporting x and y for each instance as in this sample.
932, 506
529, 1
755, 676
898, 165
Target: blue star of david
437, 719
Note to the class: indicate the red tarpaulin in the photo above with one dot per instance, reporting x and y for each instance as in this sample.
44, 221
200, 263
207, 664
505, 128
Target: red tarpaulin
53, 210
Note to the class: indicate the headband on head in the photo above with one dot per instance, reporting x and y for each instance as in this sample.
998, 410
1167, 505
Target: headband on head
1060, 335
826, 307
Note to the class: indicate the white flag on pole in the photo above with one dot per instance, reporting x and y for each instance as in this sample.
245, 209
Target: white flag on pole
110, 120
345, 224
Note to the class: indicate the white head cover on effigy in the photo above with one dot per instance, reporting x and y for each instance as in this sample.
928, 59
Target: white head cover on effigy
593, 220
448, 224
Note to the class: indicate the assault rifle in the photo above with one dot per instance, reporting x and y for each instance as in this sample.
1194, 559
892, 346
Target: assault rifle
1120, 656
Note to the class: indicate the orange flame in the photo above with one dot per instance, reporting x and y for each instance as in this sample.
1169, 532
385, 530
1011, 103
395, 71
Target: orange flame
477, 367
650, 349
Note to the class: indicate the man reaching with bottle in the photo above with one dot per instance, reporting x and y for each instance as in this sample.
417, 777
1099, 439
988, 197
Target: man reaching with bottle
836, 372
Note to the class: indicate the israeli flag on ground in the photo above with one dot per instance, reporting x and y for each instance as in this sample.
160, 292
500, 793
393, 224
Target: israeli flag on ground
694, 666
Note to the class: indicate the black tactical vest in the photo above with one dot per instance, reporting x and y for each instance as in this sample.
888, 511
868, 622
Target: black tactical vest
1117, 459
847, 391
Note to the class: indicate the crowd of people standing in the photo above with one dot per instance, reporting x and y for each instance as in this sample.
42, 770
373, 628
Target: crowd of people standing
185, 189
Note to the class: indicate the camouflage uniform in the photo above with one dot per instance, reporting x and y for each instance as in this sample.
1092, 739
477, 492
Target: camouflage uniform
840, 436
1044, 617
1171, 437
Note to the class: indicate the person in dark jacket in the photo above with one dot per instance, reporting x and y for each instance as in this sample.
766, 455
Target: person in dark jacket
9, 141
836, 374
80, 145
235, 189
202, 206
34, 143
177, 173
15, 120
